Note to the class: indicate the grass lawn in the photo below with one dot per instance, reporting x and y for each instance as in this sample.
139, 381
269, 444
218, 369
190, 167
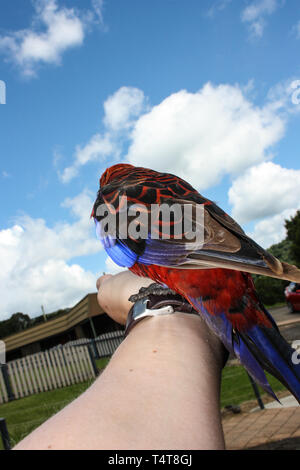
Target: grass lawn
236, 386
25, 414
278, 304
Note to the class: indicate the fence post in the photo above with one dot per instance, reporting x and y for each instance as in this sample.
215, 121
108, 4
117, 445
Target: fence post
96, 370
257, 394
96, 354
4, 434
94, 337
10, 393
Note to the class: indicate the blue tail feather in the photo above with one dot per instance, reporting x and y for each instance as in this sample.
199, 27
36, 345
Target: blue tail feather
276, 357
259, 349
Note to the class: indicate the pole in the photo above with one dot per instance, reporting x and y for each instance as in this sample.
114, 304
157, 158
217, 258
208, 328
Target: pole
92, 357
5, 375
4, 434
43, 312
93, 328
94, 338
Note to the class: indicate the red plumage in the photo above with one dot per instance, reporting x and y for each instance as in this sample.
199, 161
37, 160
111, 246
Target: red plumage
221, 290
214, 275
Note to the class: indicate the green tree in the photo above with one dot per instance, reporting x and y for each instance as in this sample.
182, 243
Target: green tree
282, 251
293, 234
17, 322
270, 290
20, 321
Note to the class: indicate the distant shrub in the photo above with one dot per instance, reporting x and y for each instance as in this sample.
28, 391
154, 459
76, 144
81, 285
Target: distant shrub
270, 290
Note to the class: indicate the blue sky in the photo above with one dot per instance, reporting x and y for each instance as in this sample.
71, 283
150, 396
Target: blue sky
207, 90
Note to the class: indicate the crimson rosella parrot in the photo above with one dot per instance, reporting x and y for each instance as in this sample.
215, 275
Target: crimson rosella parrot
212, 275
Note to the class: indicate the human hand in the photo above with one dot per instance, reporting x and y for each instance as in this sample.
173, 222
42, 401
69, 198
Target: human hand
115, 290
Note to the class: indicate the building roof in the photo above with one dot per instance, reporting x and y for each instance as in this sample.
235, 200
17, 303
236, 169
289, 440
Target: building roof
86, 308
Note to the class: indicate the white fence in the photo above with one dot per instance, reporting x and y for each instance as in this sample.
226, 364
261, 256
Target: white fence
44, 371
102, 346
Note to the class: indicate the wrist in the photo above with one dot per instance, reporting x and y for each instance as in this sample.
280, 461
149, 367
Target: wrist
158, 343
154, 305
173, 336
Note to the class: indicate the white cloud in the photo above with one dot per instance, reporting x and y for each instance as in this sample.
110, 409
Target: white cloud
97, 12
216, 7
264, 190
98, 147
205, 135
54, 30
112, 267
271, 230
120, 113
259, 8
255, 13
36, 266
123, 108
284, 97
218, 131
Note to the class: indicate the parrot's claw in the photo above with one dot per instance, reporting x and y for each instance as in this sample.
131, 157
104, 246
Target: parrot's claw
153, 289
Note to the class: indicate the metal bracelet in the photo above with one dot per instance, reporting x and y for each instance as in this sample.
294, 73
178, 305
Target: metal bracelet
139, 311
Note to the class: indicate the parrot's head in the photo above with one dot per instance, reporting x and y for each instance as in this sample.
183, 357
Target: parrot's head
114, 172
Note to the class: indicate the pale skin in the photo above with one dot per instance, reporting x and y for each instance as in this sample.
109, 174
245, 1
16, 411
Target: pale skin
160, 389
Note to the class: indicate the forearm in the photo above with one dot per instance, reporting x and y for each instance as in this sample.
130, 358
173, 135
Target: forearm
159, 391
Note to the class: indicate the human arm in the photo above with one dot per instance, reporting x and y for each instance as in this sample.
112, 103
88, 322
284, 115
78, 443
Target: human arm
160, 389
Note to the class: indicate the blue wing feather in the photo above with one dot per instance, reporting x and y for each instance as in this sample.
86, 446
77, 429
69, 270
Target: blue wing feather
223, 329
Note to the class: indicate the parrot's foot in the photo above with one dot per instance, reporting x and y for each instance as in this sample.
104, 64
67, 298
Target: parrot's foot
153, 289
